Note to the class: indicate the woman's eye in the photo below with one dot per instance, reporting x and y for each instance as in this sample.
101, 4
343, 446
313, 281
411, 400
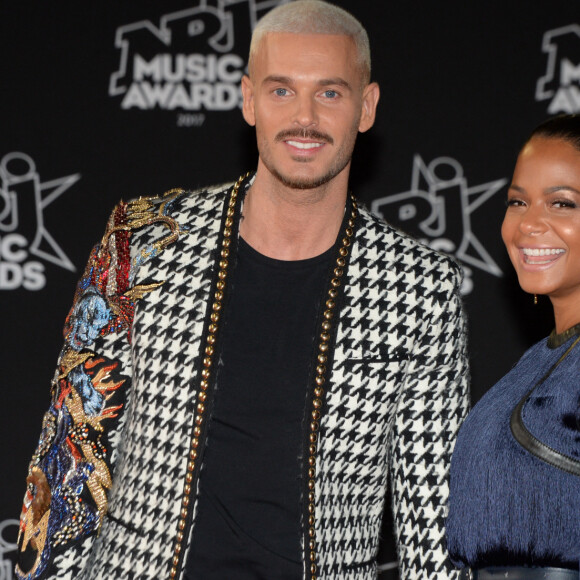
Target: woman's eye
514, 202
564, 203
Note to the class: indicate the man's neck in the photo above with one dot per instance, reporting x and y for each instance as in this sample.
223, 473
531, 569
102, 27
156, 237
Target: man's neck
292, 224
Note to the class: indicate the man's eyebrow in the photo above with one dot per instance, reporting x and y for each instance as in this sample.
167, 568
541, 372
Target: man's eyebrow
278, 79
322, 82
334, 81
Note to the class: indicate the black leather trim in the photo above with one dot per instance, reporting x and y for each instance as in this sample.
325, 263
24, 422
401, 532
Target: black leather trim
534, 445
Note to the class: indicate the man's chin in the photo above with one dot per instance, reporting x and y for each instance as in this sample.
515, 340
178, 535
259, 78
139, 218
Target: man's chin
303, 182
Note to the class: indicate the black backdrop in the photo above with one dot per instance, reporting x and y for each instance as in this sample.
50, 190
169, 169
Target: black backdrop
95, 108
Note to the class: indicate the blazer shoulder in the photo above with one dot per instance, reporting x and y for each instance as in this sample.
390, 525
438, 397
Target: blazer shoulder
400, 246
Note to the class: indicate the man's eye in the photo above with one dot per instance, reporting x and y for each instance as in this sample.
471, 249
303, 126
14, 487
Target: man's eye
281, 92
330, 94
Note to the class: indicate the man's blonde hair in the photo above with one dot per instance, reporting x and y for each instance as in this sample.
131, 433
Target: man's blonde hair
314, 17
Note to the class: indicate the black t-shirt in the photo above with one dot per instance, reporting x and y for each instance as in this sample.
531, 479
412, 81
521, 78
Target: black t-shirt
248, 521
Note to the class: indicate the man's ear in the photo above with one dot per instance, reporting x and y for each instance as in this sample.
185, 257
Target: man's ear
248, 100
370, 99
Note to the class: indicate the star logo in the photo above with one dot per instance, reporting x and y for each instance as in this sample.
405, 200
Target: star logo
439, 195
23, 199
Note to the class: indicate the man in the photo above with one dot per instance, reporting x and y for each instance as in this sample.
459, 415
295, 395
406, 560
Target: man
243, 366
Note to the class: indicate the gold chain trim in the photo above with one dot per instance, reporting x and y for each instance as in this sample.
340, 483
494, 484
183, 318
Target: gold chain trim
210, 341
321, 372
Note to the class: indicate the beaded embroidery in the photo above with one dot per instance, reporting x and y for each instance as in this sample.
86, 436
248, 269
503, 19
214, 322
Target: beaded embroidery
69, 475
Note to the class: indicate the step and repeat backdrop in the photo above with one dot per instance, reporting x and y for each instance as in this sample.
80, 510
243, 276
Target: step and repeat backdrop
109, 101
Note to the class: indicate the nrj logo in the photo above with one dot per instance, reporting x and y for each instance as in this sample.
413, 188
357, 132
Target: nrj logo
561, 83
192, 61
439, 196
23, 233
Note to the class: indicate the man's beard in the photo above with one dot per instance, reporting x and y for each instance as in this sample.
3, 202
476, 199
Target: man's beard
309, 182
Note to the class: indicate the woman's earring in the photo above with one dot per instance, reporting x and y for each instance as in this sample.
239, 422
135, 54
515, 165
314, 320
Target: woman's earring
535, 298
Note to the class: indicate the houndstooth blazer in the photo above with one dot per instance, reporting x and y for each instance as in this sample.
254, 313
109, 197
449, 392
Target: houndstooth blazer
121, 444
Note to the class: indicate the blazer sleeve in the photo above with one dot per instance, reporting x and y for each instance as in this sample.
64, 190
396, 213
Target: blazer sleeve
70, 474
433, 403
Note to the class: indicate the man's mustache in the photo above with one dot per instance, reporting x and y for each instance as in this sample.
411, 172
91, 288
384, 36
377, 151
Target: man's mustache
312, 134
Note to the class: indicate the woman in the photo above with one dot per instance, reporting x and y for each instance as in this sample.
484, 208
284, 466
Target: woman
514, 507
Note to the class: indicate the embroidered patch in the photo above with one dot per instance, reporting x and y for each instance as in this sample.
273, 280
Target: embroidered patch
69, 475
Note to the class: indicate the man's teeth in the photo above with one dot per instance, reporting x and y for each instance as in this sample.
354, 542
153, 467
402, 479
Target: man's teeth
543, 251
301, 145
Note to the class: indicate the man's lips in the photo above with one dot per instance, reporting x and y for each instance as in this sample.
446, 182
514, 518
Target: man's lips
304, 139
304, 144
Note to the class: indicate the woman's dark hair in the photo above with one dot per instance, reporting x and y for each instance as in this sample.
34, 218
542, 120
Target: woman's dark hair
565, 127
